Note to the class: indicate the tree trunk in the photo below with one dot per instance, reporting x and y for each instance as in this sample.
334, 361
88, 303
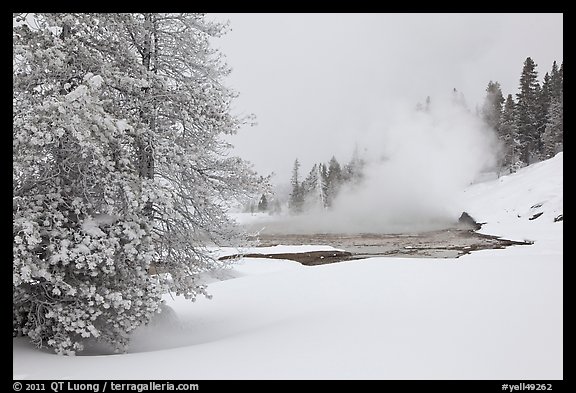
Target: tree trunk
145, 143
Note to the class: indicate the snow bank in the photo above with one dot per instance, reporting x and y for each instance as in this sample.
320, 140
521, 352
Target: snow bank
521, 206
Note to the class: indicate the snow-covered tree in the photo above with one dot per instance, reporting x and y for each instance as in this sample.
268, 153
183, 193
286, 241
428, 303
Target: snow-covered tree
508, 134
296, 201
314, 188
458, 99
120, 169
309, 183
333, 180
527, 109
263, 203
322, 186
556, 80
553, 136
492, 107
353, 172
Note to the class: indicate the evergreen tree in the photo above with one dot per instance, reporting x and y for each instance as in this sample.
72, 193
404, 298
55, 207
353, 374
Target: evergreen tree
323, 177
508, 134
458, 98
353, 171
492, 107
333, 180
556, 81
319, 199
527, 109
543, 101
263, 203
553, 136
296, 201
309, 183
545, 98
314, 188
119, 170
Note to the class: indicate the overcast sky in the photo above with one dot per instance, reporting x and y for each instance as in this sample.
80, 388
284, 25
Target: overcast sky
316, 82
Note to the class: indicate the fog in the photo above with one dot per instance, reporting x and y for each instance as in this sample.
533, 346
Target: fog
320, 84
314, 81
417, 165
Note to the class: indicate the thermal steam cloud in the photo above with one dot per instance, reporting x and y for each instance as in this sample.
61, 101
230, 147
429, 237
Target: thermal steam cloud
417, 165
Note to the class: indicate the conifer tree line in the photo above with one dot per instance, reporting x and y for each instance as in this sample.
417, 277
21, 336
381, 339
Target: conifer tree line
121, 173
323, 183
530, 124
316, 191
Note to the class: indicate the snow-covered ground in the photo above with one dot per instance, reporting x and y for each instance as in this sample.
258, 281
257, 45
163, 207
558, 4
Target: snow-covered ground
492, 314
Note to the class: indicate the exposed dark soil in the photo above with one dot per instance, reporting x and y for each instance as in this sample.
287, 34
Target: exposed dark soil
306, 258
449, 243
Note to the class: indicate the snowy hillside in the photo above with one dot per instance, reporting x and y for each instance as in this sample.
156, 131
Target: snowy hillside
492, 314
521, 206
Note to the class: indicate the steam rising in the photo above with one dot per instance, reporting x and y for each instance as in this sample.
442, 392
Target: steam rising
418, 163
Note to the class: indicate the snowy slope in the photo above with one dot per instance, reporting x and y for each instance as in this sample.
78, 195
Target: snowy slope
508, 204
492, 314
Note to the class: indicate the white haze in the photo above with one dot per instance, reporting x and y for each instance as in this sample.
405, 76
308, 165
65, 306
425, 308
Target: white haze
418, 164
310, 78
